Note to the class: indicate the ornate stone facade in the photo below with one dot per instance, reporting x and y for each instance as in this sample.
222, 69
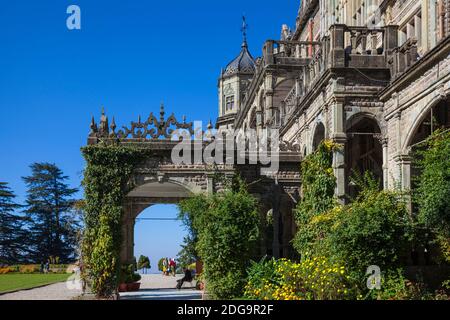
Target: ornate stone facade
372, 75
369, 74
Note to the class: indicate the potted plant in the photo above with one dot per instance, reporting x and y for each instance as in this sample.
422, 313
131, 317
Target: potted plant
133, 284
123, 279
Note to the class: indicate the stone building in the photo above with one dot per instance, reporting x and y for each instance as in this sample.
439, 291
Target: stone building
372, 75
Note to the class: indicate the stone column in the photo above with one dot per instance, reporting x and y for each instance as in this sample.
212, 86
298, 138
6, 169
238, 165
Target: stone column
339, 136
287, 218
269, 98
404, 163
384, 143
124, 249
210, 183
124, 246
263, 210
276, 221
424, 24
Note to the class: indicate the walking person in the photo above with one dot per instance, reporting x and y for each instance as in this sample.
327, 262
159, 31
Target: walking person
165, 266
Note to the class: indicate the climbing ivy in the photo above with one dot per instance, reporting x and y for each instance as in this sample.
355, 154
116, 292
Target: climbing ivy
106, 181
318, 185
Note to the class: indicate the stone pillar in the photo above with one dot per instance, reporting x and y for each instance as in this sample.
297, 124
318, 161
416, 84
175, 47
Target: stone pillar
263, 210
276, 221
337, 57
390, 38
268, 52
210, 183
269, 98
131, 241
384, 143
425, 24
287, 218
339, 136
404, 163
124, 246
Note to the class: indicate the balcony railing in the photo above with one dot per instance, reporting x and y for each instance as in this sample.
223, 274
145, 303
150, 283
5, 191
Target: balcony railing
403, 57
289, 52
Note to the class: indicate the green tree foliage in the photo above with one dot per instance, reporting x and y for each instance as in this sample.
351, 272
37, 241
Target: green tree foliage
53, 224
372, 230
227, 228
188, 253
12, 234
161, 264
143, 263
318, 185
106, 181
433, 187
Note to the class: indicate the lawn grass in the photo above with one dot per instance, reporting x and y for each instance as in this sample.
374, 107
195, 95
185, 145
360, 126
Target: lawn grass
15, 281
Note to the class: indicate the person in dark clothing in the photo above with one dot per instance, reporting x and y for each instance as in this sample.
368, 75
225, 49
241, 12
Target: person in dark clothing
187, 278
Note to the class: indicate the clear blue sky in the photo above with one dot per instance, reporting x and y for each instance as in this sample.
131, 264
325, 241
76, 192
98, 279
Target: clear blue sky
129, 56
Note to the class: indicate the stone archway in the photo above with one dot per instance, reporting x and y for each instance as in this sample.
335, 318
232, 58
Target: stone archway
435, 116
363, 150
141, 157
141, 198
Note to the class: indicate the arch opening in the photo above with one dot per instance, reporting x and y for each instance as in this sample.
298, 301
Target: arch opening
438, 116
363, 151
319, 135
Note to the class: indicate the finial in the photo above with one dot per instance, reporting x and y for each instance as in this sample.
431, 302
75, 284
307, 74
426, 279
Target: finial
184, 119
161, 112
244, 31
113, 125
210, 126
93, 127
103, 110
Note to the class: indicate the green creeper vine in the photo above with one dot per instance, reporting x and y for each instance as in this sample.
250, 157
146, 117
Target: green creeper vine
106, 181
318, 185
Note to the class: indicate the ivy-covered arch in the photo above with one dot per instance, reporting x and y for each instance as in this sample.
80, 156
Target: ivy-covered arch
109, 168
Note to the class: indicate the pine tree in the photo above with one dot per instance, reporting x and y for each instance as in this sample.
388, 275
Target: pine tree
12, 235
50, 207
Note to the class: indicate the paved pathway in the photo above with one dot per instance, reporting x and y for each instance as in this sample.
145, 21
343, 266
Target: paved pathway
56, 291
153, 287
159, 287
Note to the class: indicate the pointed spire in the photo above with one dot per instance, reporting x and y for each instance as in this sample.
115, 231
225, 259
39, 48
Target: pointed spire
210, 126
93, 127
113, 125
244, 32
104, 126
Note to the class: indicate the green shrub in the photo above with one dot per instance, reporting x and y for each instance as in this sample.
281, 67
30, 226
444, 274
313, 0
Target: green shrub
227, 228
433, 188
394, 286
372, 230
